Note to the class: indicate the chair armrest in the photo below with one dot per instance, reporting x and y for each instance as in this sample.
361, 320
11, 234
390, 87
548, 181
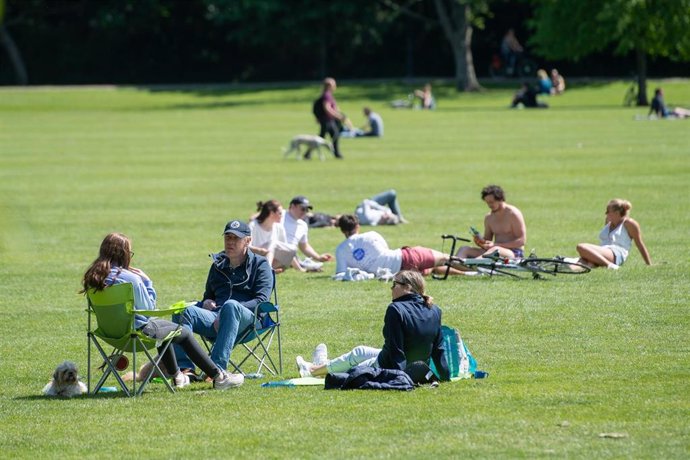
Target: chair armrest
171, 310
266, 307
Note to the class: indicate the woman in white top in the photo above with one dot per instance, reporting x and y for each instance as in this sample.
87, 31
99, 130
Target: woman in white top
269, 238
616, 239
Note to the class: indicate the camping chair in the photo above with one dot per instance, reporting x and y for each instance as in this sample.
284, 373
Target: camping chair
256, 340
114, 311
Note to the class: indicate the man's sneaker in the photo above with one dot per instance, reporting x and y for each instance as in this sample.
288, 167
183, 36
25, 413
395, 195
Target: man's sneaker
320, 355
310, 265
613, 266
225, 380
303, 367
181, 379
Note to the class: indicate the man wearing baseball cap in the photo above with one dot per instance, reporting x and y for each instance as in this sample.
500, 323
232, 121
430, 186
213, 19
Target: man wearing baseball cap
237, 282
297, 229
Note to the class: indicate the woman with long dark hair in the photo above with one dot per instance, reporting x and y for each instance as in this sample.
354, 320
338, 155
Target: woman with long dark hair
269, 238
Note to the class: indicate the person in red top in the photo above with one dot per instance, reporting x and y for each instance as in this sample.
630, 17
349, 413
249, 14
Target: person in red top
329, 117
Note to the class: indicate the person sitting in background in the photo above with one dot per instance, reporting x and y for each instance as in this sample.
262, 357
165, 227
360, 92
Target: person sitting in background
269, 238
557, 82
658, 107
505, 231
411, 333
374, 124
616, 238
381, 209
544, 84
426, 98
297, 232
527, 97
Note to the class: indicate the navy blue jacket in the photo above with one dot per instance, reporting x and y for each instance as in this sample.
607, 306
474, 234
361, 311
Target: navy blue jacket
250, 283
412, 332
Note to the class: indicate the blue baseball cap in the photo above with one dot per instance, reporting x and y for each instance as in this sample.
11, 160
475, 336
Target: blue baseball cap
237, 228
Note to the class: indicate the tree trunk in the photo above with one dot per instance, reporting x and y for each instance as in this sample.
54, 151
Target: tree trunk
15, 56
641, 58
458, 32
472, 84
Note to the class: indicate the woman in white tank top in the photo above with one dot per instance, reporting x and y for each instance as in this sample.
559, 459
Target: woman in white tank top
616, 239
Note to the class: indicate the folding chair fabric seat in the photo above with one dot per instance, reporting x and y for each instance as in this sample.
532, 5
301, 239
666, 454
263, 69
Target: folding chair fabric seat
114, 311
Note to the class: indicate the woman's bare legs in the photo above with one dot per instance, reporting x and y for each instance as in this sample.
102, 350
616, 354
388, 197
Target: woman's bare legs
596, 256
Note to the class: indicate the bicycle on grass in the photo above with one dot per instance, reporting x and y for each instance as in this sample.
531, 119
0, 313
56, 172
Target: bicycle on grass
529, 267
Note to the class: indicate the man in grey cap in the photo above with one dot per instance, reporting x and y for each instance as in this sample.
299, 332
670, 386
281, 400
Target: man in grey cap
237, 282
297, 230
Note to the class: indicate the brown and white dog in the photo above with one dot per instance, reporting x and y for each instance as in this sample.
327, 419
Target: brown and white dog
65, 382
311, 141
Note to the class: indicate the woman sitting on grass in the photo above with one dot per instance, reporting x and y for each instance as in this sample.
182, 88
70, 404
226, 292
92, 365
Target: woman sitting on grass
113, 267
411, 332
616, 238
269, 238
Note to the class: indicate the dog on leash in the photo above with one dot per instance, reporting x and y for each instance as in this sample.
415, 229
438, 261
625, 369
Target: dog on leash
311, 142
65, 382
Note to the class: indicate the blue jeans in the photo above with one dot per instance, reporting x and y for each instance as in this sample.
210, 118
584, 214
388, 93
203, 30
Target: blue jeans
389, 198
233, 319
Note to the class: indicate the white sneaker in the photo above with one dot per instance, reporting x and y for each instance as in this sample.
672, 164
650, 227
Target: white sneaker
303, 367
310, 265
613, 266
320, 355
181, 379
225, 380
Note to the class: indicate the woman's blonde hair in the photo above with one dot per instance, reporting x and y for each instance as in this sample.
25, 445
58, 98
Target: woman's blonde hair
541, 73
622, 207
416, 283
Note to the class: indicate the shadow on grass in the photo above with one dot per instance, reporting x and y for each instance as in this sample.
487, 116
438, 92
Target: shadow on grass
250, 94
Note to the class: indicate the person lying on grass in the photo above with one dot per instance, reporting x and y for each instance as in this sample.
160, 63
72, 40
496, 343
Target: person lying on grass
369, 252
411, 332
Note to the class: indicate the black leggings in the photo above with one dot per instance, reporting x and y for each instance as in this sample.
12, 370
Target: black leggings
331, 127
158, 328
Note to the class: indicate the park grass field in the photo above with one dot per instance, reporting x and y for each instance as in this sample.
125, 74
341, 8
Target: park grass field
570, 359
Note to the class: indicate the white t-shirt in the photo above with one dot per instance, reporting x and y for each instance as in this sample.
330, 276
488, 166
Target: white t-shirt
267, 239
275, 241
376, 123
367, 251
369, 212
296, 230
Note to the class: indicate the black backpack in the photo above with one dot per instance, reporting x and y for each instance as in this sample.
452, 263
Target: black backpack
318, 110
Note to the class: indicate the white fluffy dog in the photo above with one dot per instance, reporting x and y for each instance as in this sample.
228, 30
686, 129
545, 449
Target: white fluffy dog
311, 141
65, 382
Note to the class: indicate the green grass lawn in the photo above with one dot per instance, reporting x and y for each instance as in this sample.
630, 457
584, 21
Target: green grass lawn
569, 358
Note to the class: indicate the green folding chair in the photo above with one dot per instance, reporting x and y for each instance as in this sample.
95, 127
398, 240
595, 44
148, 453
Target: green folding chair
114, 312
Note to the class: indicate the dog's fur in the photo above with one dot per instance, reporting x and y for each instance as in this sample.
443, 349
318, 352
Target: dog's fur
311, 142
65, 382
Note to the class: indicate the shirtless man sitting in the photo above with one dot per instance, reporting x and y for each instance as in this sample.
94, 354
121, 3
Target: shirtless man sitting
504, 228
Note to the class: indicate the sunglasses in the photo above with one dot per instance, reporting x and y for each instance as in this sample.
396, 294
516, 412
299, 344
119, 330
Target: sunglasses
397, 283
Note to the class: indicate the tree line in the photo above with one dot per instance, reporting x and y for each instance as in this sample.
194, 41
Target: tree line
191, 41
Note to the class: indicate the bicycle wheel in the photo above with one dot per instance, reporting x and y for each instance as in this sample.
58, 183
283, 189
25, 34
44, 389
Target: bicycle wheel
555, 267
